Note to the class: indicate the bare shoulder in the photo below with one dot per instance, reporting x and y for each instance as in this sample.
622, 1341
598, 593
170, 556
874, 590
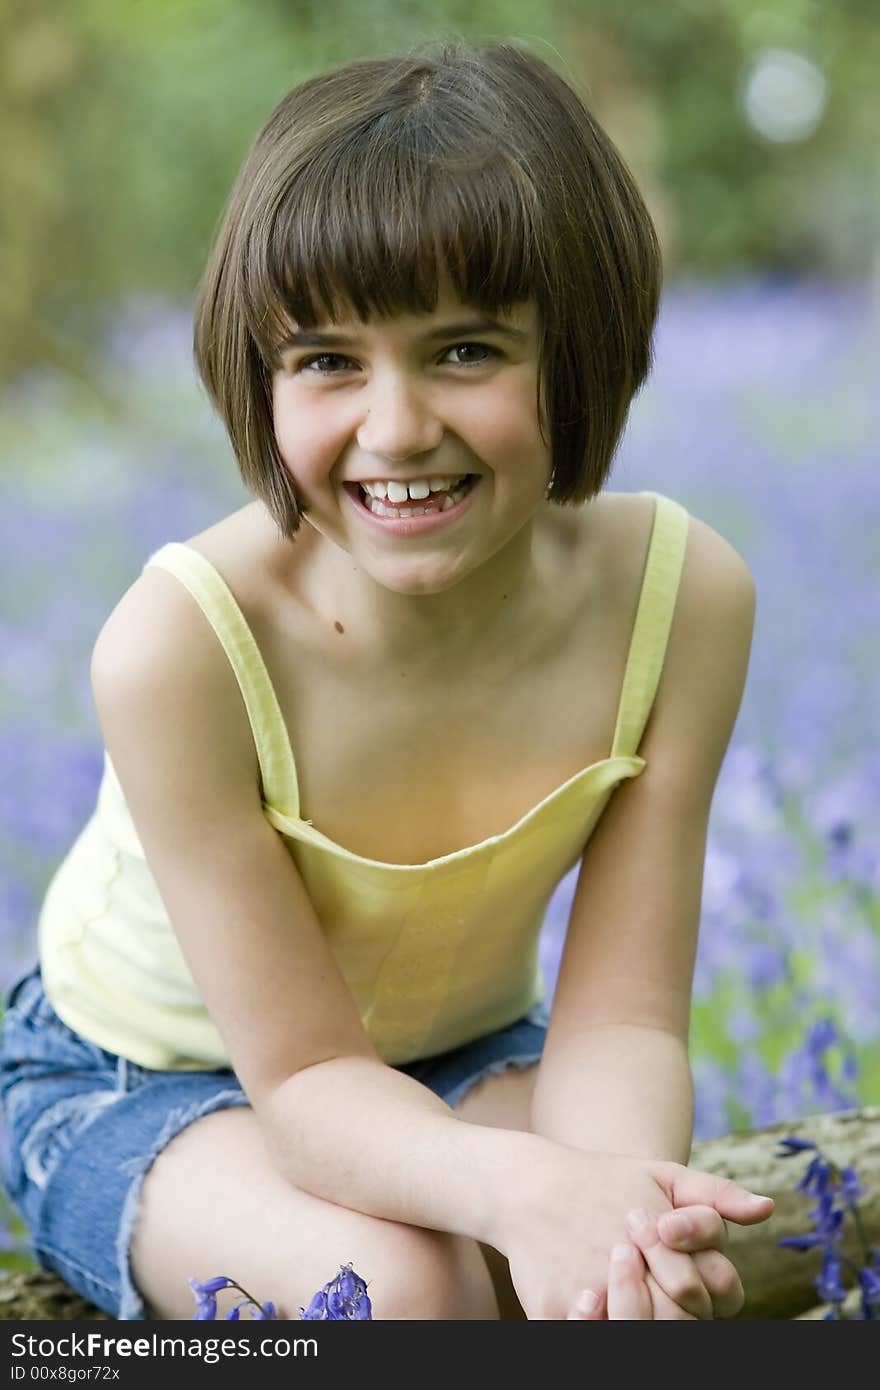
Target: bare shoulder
157, 649
158, 618
712, 559
707, 655
627, 519
717, 595
707, 658
715, 576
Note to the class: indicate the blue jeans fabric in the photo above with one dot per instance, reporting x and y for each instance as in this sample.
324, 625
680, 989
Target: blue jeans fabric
84, 1125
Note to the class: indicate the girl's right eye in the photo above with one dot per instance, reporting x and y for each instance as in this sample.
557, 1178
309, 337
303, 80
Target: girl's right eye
307, 362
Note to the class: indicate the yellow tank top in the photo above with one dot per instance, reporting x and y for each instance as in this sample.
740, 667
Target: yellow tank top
434, 954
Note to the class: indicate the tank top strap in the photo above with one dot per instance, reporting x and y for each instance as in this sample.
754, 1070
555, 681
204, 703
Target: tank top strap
653, 621
214, 597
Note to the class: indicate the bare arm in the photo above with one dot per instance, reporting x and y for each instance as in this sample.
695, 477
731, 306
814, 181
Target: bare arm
615, 1074
341, 1123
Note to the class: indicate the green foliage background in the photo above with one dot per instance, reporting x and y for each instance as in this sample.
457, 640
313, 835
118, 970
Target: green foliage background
124, 124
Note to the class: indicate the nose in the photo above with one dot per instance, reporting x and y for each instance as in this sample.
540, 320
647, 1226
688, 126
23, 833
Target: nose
399, 420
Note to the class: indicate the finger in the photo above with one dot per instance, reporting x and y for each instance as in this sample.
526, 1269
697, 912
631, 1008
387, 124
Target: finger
629, 1298
664, 1309
693, 1228
589, 1306
721, 1281
701, 1231
690, 1186
674, 1270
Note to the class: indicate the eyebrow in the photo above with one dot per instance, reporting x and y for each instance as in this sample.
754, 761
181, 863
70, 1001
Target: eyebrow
450, 330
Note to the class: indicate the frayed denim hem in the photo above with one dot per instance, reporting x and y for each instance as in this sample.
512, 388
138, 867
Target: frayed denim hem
456, 1093
131, 1304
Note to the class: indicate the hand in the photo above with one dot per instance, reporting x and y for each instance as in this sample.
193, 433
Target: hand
632, 1295
688, 1270
559, 1231
654, 1271
628, 1297
675, 1284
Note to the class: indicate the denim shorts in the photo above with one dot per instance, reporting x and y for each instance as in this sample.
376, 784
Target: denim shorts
83, 1126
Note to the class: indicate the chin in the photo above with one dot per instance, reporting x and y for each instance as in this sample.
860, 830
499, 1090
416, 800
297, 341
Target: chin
415, 585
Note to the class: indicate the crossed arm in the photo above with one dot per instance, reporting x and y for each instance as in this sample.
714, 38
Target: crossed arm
615, 1076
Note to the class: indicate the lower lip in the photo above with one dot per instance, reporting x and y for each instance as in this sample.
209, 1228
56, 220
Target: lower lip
412, 525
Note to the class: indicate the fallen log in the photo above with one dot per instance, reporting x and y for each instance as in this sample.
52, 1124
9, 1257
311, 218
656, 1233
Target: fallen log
780, 1282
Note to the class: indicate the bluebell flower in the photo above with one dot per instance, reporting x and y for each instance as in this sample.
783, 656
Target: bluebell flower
206, 1296
850, 1187
222, 1281
256, 1310
791, 1145
829, 1283
317, 1309
869, 1283
807, 1242
206, 1300
816, 1178
836, 1192
343, 1298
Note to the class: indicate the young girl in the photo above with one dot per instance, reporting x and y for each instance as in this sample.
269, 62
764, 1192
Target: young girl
288, 1011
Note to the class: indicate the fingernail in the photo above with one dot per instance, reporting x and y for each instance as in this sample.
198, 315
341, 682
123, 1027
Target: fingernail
587, 1301
638, 1222
622, 1253
676, 1226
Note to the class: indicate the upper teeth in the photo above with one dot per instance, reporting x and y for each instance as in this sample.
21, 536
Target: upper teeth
420, 488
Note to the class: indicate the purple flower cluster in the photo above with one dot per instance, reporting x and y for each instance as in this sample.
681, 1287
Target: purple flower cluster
836, 1192
343, 1298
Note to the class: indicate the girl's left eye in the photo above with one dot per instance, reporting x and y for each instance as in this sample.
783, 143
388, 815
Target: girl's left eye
481, 347
309, 362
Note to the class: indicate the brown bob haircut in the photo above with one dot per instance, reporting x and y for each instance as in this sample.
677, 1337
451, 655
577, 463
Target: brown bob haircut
368, 179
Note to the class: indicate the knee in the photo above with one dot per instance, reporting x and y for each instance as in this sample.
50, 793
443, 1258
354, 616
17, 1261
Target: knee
428, 1275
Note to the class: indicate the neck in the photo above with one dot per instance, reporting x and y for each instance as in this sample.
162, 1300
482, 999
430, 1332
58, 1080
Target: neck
465, 623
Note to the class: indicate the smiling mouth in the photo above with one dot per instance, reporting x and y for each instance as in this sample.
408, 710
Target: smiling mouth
412, 507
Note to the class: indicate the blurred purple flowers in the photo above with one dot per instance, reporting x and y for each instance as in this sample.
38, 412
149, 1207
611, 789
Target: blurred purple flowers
836, 1192
344, 1298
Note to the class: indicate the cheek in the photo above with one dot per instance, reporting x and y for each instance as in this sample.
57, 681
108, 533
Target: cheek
509, 426
305, 436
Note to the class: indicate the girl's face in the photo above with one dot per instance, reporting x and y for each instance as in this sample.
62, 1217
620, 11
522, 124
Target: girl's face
417, 399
